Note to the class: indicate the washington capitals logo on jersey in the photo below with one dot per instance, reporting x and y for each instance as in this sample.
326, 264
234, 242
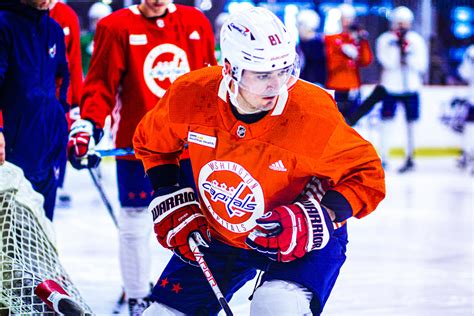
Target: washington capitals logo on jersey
52, 51
162, 66
231, 195
242, 30
235, 204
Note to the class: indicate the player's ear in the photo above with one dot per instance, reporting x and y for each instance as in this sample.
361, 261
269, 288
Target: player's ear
227, 67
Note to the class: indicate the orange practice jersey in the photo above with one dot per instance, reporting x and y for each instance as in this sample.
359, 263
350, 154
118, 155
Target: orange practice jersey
343, 72
244, 170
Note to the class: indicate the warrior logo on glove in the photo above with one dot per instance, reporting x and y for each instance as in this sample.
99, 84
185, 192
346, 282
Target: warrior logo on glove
176, 215
288, 232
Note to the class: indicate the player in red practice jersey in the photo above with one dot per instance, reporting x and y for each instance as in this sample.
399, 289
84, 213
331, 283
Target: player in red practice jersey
346, 53
259, 141
138, 52
68, 20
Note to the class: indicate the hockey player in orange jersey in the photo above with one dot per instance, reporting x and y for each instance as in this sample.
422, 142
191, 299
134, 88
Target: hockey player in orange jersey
278, 173
346, 53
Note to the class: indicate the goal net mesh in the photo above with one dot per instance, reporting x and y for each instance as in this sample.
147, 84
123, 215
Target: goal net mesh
27, 252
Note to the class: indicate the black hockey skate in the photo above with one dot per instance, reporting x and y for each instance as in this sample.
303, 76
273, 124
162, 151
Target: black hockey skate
408, 166
136, 307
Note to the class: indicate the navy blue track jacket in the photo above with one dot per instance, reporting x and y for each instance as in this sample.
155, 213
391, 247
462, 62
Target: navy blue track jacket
32, 59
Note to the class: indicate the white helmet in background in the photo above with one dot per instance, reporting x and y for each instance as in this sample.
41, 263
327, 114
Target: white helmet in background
256, 40
347, 11
307, 21
401, 15
99, 10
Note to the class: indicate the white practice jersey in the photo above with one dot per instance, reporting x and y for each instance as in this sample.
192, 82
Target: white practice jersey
398, 78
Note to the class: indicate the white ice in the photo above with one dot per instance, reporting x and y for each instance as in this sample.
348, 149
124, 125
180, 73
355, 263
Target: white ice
412, 256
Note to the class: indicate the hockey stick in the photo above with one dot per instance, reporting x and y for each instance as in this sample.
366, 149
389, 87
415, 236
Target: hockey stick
104, 198
198, 255
122, 299
115, 152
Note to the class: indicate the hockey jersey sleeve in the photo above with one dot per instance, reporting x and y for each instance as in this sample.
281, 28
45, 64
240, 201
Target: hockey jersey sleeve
107, 66
354, 170
387, 55
75, 60
62, 73
417, 57
365, 53
166, 149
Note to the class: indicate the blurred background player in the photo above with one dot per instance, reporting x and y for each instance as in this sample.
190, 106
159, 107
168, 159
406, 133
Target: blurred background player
68, 20
403, 56
466, 70
311, 48
346, 52
33, 67
138, 52
96, 12
254, 110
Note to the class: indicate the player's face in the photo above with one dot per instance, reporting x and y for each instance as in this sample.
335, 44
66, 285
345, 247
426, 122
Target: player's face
258, 91
154, 7
39, 4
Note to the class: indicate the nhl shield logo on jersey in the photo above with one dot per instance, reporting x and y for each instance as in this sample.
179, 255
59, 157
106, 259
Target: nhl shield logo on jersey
232, 196
162, 66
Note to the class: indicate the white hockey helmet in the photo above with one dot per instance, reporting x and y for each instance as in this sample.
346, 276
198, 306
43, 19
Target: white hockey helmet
99, 10
401, 15
347, 11
307, 20
255, 39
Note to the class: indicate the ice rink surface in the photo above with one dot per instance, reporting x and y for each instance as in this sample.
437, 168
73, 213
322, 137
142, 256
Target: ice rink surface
412, 256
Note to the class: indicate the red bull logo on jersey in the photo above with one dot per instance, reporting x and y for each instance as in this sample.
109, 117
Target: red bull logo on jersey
162, 66
231, 195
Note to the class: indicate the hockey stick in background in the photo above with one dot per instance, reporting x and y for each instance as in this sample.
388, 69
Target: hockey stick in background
122, 299
198, 255
117, 152
104, 198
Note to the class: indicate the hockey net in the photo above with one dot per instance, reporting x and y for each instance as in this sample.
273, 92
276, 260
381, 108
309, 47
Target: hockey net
27, 248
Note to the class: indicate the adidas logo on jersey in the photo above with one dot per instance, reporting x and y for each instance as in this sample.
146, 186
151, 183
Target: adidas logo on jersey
278, 166
195, 35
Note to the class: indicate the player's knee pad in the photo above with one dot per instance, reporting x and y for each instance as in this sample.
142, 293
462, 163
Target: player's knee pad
278, 297
134, 223
160, 309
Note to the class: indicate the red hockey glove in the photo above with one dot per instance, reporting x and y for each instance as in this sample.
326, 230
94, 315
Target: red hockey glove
288, 232
176, 215
80, 147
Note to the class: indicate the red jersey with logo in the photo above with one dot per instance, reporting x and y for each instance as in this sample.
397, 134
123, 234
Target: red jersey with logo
244, 170
68, 20
135, 60
343, 72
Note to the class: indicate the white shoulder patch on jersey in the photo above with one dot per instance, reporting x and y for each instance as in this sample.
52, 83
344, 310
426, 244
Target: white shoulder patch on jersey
66, 31
138, 39
195, 35
201, 139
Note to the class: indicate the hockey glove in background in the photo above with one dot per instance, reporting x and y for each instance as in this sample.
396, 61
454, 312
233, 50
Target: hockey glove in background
177, 214
81, 144
290, 231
